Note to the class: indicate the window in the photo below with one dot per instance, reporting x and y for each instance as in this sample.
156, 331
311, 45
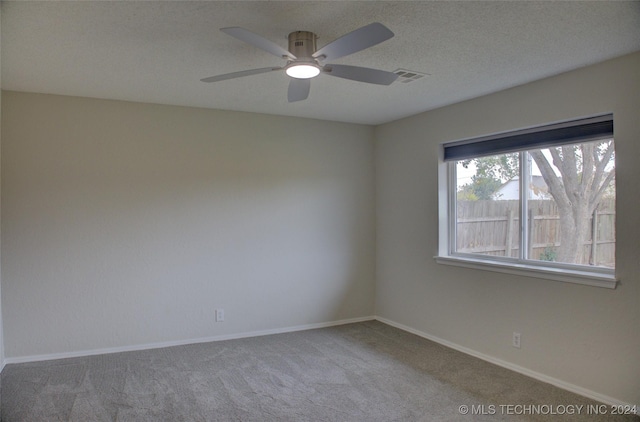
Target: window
537, 202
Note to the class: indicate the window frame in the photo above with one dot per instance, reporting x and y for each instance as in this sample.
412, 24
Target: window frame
447, 197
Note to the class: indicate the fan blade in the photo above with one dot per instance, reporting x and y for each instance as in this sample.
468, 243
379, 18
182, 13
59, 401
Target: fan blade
360, 74
240, 74
362, 38
298, 89
257, 41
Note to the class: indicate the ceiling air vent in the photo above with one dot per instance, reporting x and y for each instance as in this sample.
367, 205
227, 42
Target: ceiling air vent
407, 76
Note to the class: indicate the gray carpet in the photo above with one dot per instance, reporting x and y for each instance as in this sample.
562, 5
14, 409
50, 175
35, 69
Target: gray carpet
358, 372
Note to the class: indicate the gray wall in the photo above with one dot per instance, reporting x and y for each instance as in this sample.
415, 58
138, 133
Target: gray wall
584, 336
128, 224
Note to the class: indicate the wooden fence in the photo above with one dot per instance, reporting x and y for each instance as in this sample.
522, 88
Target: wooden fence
492, 228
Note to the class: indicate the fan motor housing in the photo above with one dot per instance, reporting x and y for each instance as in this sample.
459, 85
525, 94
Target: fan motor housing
302, 43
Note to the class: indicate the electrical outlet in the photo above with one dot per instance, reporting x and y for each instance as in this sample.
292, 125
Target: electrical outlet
219, 315
516, 340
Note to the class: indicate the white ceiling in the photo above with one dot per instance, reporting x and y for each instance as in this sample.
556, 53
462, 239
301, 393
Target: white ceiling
157, 51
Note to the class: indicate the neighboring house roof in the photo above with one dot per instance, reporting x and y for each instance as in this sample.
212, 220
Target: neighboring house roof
538, 189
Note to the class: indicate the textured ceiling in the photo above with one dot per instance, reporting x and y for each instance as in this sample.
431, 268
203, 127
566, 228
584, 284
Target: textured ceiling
157, 51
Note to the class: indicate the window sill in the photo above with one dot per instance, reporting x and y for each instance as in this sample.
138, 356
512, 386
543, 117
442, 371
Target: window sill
588, 278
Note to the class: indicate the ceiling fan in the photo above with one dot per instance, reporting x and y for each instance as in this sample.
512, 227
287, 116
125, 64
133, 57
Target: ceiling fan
304, 62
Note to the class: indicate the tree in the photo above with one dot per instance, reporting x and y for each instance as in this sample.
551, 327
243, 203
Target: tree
578, 177
500, 167
480, 188
491, 173
586, 172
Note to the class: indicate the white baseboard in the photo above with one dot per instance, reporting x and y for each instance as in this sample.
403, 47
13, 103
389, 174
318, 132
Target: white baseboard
92, 352
508, 365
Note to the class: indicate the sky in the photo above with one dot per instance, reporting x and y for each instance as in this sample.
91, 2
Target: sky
464, 174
